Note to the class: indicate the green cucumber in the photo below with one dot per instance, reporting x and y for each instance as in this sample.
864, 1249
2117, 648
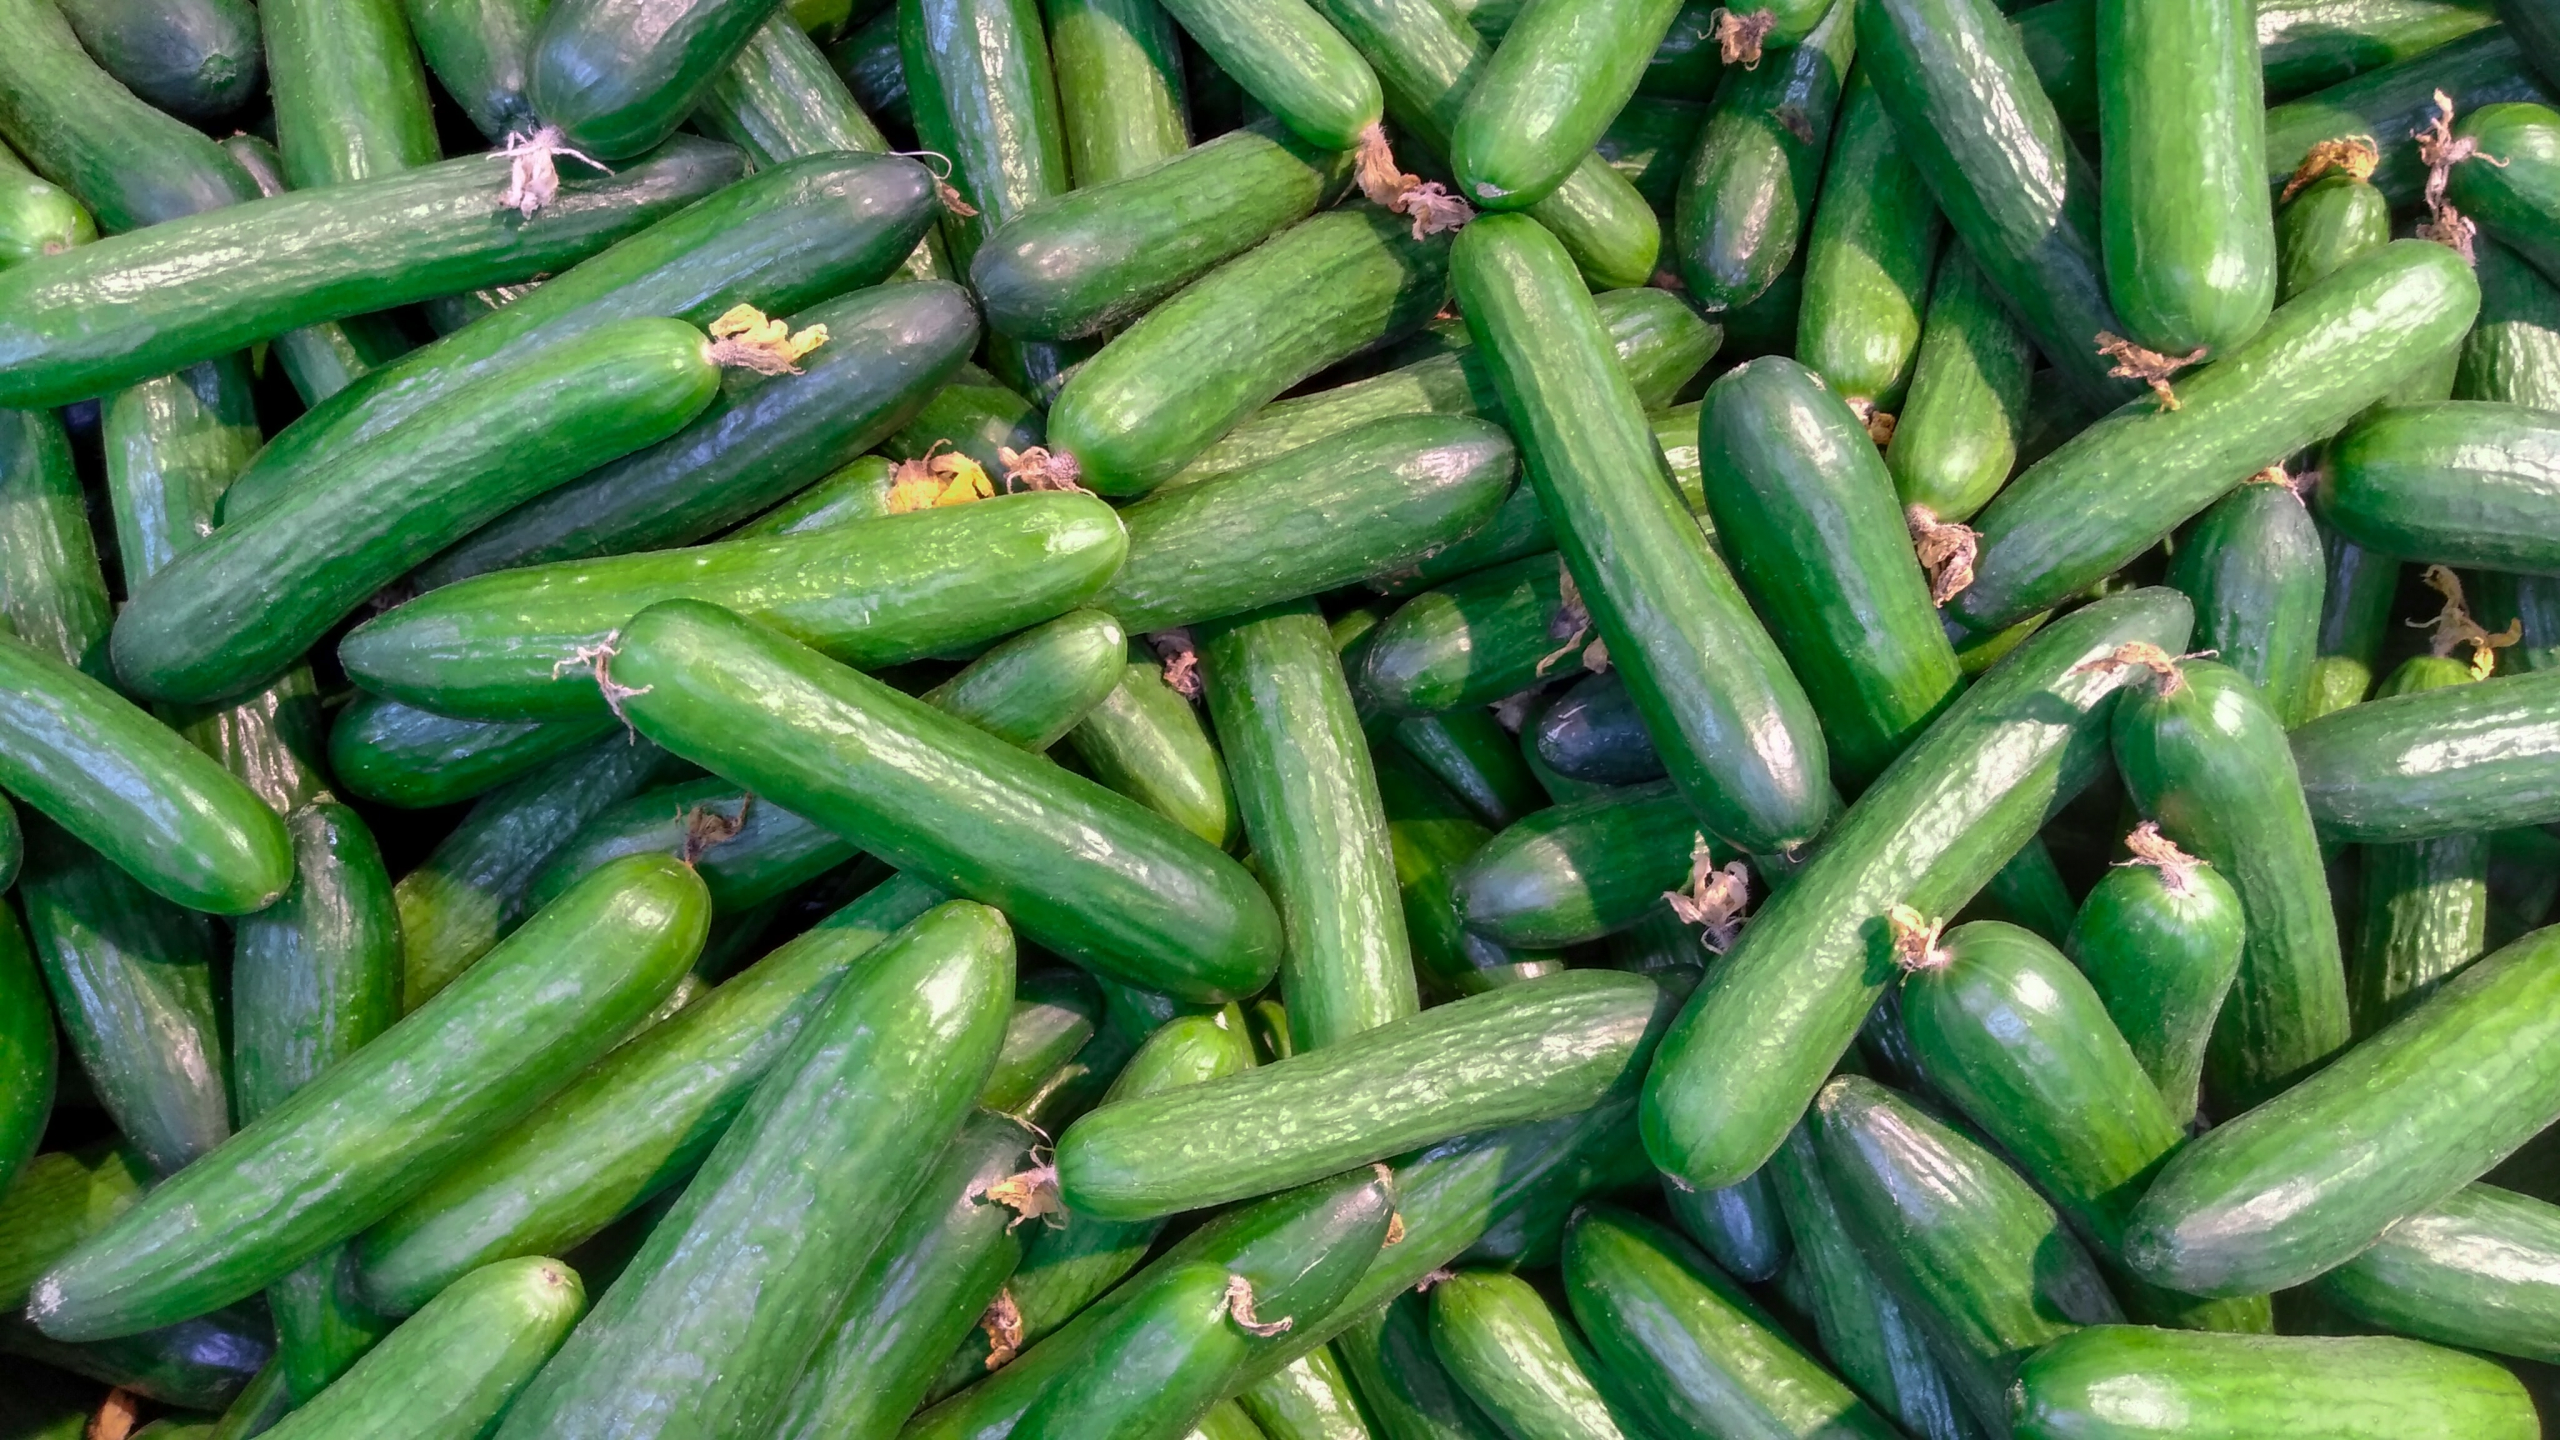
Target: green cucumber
2472, 1270
1762, 1032
1956, 439
2029, 893
395, 754
984, 96
2122, 1382
1531, 1235
2513, 353
1403, 1386
1055, 1013
1308, 796
1868, 260
1479, 761
2304, 45
53, 592
1688, 62
2457, 761
2355, 618
1547, 94
37, 217
2208, 1226
1121, 100
353, 1144
199, 60
977, 415
1736, 730
1226, 1420
1691, 1350
480, 50
1152, 905
2254, 567
2519, 599
321, 359
2124, 483
453, 1368
1574, 873
617, 78
349, 91
1808, 516
2424, 904
779, 100
198, 1364
1146, 742
2483, 68
2336, 218
2160, 940
1155, 1156
2466, 482
28, 1051
130, 164
1470, 642
1592, 733
1741, 209
1649, 145
2061, 40
1431, 836
1507, 1351
1285, 56
1309, 1399
868, 61
858, 491
2535, 27
1166, 388
1739, 1226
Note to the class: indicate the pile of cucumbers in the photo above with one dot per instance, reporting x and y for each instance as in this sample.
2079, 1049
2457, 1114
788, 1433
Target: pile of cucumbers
1279, 719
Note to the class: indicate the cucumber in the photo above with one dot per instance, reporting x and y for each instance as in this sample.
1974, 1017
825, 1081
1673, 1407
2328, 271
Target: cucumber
131, 165
2467, 482
2340, 345
1762, 1032
349, 91
2085, 1387
761, 438
1403, 1386
1979, 1260
1146, 742
453, 1368
1155, 1156
1431, 836
1507, 1351
2445, 762
1548, 93
1310, 1399
52, 591
1531, 1236
868, 61
2304, 45
1649, 144
975, 414
1957, 436
199, 61
1477, 760
617, 78
1121, 100
2470, 1271
1592, 733
2424, 905
1741, 208
857, 491
1470, 642
2336, 218
1576, 872
37, 217
1688, 62
28, 1051
2160, 940
983, 95
1735, 728
2029, 893
779, 100
2061, 41
1739, 1226
2206, 1227
1691, 1350
367, 1134
481, 50
198, 1364
395, 754
2516, 201
2355, 618
2513, 353
321, 359
1226, 1420
2254, 567
1285, 56
1807, 512
1868, 260
2483, 68
1167, 387
2524, 600
1055, 1012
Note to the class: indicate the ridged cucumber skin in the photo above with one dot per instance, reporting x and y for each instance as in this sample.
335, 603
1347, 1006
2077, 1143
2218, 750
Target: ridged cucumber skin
350, 93
1691, 1350
1478, 761
259, 269
920, 1292
1122, 102
53, 591
2465, 482
481, 50
2423, 906
782, 239
131, 165
2355, 619
2336, 348
1809, 518
1151, 1157
1505, 1348
1147, 743
1309, 1399
2513, 352
858, 491
1167, 387
1576, 872
1592, 733
1764, 1030
1739, 1227
2473, 1270
1153, 906
1977, 1258
1740, 213
321, 359
1403, 1386
2458, 761
37, 217
799, 1193
161, 810
1308, 795
2481, 69
368, 1133
1736, 730
1868, 259
499, 646
2254, 566
618, 78
1285, 56
1157, 1366
29, 1054
1430, 836
1548, 94
1076, 265
2223, 1387
2206, 1227
2335, 219
2161, 947
452, 1368
1956, 439
395, 754
2307, 45
1470, 642
198, 61
1367, 502
761, 438
982, 93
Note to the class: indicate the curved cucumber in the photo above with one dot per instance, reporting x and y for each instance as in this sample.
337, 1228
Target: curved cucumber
2473, 1270
453, 1368
2455, 761
1741, 208
618, 77
1507, 1351
1547, 95
1956, 440
2513, 203
199, 60
1285, 55
1146, 742
349, 92
1868, 259
130, 164
2234, 1385
1121, 99
2160, 940
2466, 482
481, 51
2254, 567
395, 754
1574, 873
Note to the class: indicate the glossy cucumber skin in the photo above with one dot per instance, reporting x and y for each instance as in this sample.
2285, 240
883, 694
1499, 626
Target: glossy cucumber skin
1548, 94
364, 1136
1431, 836
2161, 949
2484, 68
1576, 872
858, 491
1147, 742
1168, 386
2205, 1226
1150, 904
1309, 1399
1956, 438
1121, 98
2456, 761
1481, 763
395, 754
1762, 1032
2355, 619
53, 591
2465, 482
503, 646
734, 1290
983, 94
1692, 1350
1145, 1157
1367, 502
2513, 353
1649, 143
481, 50
2474, 1270
2306, 45
1308, 795
2223, 1387
2513, 203
1284, 55
866, 58
1737, 732
760, 439
453, 1368
349, 91
1075, 265
1740, 1226
2336, 218
977, 415
1470, 642
1808, 515
197, 61
2424, 905
1155, 1367
1504, 1347
2254, 567
130, 164
1593, 734
1868, 259
618, 78
259, 269
38, 217
1741, 209
321, 359
29, 1058
1402, 1384
2340, 345
780, 100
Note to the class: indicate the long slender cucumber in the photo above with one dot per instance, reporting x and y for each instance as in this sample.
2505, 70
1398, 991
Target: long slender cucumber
2453, 761
2263, 1385
349, 91
453, 1366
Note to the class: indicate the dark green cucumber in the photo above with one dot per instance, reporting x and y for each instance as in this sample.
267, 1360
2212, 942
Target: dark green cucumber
1593, 734
868, 61
1056, 1013
395, 754
353, 1144
1688, 62
1735, 728
858, 491
1431, 836
983, 95
1868, 259
349, 91
2061, 40
2472, 1270
2160, 940
2121, 485
37, 217
2355, 618
1308, 796
1309, 1399
1403, 1386
2423, 904
198, 60
1121, 98
132, 165
2209, 1223
53, 592
2478, 70
2304, 45
2466, 482
1770, 1021
2028, 892
2513, 353
1285, 56
28, 1051
2084, 1388
2500, 599
2254, 567
321, 359
1691, 1350
480, 50
1548, 93
1480, 762
1507, 1351
2536, 27
1531, 1236
2335, 219
2457, 761
1741, 210
617, 78
1808, 516
1146, 742
1957, 436
454, 1367
1472, 641
1163, 1359
779, 100
1573, 873
1738, 1225
1649, 144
